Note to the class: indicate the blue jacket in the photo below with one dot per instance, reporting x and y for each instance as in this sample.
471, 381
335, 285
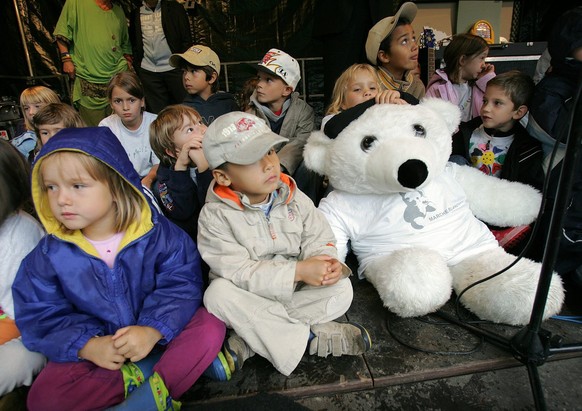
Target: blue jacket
64, 294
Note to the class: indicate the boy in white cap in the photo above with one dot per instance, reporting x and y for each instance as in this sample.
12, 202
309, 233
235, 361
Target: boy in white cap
278, 104
200, 70
275, 279
391, 46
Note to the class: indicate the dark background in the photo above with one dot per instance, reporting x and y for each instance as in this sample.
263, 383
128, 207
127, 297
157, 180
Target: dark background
238, 30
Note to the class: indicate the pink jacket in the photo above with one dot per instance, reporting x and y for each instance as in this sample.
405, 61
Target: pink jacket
440, 86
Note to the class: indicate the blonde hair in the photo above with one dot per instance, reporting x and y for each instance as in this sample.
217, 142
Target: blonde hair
36, 95
162, 130
341, 85
126, 199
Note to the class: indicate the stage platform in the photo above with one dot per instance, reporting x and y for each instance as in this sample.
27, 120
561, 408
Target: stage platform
436, 365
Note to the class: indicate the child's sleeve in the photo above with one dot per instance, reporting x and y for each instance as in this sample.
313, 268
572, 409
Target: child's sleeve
46, 318
291, 154
318, 237
177, 193
227, 258
178, 285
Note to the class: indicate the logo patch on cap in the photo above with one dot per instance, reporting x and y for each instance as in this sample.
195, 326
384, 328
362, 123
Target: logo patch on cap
244, 124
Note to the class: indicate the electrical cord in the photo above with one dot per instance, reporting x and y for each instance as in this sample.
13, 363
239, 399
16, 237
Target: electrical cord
425, 319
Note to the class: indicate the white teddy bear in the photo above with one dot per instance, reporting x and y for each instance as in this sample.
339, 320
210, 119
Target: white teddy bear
415, 221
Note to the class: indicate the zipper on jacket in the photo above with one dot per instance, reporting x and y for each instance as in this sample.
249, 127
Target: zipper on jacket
271, 228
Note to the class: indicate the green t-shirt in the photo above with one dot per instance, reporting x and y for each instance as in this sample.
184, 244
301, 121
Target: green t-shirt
98, 39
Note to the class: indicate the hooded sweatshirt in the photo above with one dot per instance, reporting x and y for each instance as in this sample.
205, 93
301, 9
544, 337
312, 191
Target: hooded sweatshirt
217, 104
65, 294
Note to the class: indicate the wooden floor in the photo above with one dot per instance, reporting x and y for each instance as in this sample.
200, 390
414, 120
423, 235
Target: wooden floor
430, 349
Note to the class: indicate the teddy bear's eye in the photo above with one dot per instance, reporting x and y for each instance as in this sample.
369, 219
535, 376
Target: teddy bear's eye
419, 130
367, 143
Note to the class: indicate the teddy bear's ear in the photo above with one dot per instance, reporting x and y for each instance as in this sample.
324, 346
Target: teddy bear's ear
446, 110
315, 151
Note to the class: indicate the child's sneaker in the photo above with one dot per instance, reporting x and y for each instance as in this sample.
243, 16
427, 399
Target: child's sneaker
339, 339
236, 351
219, 369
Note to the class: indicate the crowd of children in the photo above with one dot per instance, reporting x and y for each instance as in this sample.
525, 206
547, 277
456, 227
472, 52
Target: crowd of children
140, 295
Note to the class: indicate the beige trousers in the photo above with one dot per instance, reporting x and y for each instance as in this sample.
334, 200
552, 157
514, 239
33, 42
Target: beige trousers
277, 331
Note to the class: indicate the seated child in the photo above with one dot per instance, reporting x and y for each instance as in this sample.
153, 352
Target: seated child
200, 70
131, 123
463, 80
278, 296
183, 176
52, 118
497, 144
359, 83
32, 99
112, 294
391, 47
279, 105
19, 233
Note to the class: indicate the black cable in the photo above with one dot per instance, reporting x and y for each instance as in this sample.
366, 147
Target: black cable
401, 341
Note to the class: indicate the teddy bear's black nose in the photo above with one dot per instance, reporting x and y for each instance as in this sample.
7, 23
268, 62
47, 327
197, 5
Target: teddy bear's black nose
412, 173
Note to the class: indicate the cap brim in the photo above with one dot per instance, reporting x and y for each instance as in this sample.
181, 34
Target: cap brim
264, 69
176, 60
251, 153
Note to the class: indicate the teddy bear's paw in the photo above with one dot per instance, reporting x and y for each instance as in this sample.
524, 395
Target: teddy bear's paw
411, 282
507, 298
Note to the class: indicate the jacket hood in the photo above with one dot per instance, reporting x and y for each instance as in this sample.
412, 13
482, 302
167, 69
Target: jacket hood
217, 98
565, 37
102, 144
438, 77
238, 200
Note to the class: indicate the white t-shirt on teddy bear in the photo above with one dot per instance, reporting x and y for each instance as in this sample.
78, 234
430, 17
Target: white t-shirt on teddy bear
437, 217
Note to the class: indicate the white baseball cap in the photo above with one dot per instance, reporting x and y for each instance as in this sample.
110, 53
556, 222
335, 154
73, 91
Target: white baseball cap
282, 65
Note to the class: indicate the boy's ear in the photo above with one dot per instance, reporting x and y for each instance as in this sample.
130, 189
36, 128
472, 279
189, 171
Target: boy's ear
170, 153
221, 177
288, 90
384, 59
213, 78
520, 112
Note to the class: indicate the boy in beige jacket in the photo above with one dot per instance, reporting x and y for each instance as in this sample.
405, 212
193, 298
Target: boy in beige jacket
275, 279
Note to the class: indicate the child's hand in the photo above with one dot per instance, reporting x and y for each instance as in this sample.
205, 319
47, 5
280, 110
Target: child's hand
318, 270
486, 70
101, 352
191, 151
135, 342
389, 97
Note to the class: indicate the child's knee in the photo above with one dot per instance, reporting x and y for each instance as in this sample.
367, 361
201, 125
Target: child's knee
217, 294
214, 328
342, 300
